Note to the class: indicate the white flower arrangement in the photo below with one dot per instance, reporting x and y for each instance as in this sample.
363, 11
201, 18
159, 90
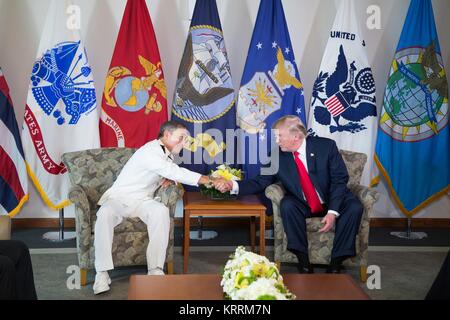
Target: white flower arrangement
249, 276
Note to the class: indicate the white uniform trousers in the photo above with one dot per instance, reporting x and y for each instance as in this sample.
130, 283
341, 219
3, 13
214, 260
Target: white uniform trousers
111, 214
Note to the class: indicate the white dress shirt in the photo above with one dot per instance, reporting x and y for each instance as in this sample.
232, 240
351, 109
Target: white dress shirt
144, 173
302, 155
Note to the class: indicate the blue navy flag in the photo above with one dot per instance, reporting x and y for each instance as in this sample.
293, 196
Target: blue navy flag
270, 86
413, 140
204, 97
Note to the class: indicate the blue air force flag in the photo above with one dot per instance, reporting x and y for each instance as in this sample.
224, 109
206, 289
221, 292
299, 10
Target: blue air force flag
204, 97
61, 111
343, 100
270, 86
413, 141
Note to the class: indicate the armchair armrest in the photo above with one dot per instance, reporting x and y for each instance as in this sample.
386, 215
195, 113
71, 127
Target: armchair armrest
79, 198
366, 195
170, 195
275, 192
5, 228
83, 225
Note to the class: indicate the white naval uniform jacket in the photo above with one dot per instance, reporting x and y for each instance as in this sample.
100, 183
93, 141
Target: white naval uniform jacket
143, 174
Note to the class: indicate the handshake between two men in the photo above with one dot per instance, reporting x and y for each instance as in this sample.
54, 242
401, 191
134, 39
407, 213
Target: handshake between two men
221, 184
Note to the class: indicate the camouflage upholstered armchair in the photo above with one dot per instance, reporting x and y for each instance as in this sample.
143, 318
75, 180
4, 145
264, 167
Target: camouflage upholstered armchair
320, 244
91, 173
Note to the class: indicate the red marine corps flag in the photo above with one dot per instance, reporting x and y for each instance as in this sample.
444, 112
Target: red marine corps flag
134, 102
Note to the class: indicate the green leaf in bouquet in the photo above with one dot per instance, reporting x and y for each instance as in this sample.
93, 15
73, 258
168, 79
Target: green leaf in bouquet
272, 270
281, 288
252, 276
266, 297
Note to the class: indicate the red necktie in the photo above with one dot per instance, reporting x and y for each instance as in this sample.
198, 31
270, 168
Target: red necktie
308, 188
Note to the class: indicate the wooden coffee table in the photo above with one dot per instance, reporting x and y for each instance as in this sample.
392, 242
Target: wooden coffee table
197, 205
207, 287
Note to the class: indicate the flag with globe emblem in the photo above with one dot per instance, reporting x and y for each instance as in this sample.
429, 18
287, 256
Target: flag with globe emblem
343, 104
134, 101
413, 141
270, 87
61, 110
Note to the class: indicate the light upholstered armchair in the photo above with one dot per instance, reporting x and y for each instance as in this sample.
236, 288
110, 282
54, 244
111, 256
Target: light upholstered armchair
91, 173
320, 244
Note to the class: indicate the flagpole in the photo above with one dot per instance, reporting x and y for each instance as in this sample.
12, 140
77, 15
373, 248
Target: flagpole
200, 234
61, 235
409, 234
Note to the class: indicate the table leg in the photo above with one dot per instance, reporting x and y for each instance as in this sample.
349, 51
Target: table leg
253, 232
187, 216
182, 245
262, 227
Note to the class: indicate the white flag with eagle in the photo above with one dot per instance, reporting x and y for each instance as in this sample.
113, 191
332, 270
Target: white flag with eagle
61, 111
343, 100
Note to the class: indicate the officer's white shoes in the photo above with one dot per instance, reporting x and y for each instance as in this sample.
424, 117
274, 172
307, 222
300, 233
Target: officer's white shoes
102, 279
155, 272
102, 282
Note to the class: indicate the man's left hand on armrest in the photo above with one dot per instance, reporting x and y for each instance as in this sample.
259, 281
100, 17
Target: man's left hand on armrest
329, 221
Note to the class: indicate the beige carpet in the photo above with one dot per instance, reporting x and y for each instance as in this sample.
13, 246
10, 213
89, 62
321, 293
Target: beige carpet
404, 275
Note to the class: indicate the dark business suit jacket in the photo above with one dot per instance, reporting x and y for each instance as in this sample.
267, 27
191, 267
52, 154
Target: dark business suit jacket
325, 166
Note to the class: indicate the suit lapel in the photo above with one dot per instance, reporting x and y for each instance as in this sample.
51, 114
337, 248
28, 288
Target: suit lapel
311, 159
292, 171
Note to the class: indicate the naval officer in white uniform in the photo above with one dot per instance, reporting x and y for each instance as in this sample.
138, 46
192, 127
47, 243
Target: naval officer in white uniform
132, 195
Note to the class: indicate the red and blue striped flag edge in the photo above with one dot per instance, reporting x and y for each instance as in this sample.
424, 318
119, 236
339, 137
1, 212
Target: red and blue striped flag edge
13, 173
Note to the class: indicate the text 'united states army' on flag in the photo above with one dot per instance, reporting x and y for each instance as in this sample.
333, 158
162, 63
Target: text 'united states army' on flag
61, 111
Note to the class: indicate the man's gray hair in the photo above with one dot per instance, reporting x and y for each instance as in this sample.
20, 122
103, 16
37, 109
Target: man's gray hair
292, 123
170, 126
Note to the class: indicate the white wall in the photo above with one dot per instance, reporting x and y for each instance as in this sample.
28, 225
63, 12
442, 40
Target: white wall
21, 23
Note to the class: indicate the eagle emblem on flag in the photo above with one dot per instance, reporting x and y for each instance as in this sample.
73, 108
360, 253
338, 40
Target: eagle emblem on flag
417, 75
132, 93
204, 91
263, 94
61, 74
345, 97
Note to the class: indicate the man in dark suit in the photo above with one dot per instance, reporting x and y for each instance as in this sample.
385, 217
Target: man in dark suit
440, 290
315, 177
16, 271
